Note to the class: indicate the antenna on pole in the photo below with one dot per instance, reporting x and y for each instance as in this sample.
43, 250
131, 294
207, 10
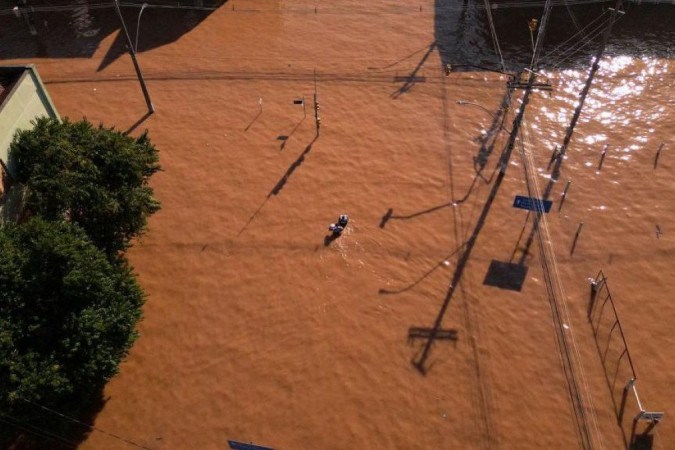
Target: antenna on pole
317, 119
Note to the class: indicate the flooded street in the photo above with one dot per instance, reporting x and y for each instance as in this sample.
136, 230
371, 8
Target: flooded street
258, 329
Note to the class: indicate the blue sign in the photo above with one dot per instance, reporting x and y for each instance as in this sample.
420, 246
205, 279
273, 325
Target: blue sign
532, 204
234, 445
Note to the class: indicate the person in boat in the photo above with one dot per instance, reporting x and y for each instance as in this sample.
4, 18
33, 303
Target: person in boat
343, 220
336, 228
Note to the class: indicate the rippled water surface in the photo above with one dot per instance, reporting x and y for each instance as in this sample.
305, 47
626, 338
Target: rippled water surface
259, 329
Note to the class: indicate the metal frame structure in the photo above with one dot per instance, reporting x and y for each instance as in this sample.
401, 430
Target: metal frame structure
651, 417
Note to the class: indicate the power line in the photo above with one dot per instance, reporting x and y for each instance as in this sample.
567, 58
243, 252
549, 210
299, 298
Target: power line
493, 32
571, 54
323, 10
91, 427
37, 431
575, 49
559, 46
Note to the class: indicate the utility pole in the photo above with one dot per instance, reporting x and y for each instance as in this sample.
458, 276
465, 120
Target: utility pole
317, 119
132, 52
594, 68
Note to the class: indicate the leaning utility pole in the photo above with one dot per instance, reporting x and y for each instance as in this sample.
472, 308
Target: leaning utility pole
132, 52
594, 68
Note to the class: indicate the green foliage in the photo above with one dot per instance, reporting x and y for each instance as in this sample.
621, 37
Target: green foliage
67, 316
95, 177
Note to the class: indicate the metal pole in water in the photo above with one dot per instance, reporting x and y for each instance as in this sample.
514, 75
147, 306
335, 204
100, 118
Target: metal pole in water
132, 52
602, 156
658, 153
576, 237
563, 196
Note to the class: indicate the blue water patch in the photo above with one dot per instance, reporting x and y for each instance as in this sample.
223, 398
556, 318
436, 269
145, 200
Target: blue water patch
532, 204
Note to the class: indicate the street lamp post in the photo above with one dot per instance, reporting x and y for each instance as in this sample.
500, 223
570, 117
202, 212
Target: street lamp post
138, 25
132, 52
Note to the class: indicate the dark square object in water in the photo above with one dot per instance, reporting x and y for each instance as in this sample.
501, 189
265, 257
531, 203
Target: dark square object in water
643, 442
505, 275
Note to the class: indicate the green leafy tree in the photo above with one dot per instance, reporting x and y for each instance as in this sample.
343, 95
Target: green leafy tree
67, 318
94, 177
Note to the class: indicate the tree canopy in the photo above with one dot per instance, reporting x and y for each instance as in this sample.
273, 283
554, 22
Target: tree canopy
67, 316
95, 177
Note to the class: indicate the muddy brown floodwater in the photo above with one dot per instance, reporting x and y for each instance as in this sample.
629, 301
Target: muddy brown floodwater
257, 331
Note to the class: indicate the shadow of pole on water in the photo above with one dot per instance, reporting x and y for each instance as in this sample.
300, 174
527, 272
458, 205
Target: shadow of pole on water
284, 139
419, 362
412, 78
389, 214
138, 123
282, 182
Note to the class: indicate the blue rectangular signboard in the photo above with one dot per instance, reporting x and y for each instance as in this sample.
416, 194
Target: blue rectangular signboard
532, 204
234, 445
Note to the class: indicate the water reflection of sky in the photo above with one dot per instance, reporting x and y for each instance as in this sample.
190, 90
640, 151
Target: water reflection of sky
623, 109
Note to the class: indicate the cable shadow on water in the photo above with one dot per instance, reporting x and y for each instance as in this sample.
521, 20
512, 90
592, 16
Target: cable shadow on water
488, 140
388, 66
389, 215
424, 276
281, 183
412, 79
250, 124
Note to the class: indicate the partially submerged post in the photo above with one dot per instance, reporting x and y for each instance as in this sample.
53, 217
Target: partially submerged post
602, 156
317, 119
658, 153
563, 196
555, 155
576, 237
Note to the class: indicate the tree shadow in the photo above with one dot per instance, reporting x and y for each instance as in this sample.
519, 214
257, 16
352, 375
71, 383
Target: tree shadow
71, 30
35, 426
